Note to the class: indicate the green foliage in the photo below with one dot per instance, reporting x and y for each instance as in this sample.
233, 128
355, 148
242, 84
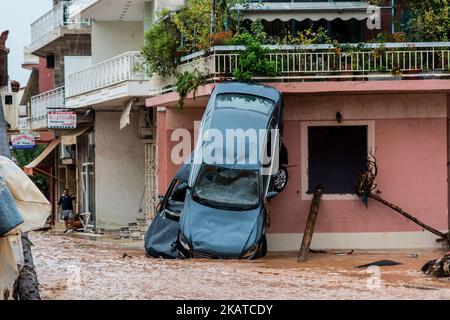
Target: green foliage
160, 47
306, 37
187, 82
430, 20
254, 60
193, 22
24, 157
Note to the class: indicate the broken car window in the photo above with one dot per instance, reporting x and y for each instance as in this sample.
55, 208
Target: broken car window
225, 188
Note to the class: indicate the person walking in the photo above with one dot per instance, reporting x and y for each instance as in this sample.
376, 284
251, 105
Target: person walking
66, 204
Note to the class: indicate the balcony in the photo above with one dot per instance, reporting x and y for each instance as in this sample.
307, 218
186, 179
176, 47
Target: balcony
117, 10
111, 82
392, 61
49, 30
40, 105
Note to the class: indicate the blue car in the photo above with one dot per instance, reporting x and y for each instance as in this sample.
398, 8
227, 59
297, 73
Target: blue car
225, 209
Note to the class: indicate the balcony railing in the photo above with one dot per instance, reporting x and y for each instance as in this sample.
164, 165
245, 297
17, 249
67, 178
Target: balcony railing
77, 6
50, 22
40, 105
326, 62
126, 67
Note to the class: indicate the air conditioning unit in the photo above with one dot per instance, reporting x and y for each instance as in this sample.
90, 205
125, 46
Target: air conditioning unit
11, 110
146, 120
67, 154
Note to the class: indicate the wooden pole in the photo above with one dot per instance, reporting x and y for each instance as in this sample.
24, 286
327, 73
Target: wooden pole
311, 223
406, 215
444, 236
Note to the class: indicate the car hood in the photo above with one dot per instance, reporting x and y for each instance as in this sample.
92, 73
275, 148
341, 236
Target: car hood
220, 233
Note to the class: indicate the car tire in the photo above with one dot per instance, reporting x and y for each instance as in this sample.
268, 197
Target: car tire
280, 179
183, 253
262, 250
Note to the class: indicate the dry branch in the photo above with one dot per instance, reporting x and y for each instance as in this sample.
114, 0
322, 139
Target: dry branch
366, 189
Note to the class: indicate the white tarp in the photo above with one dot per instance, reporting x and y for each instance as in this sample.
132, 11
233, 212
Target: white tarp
33, 207
125, 117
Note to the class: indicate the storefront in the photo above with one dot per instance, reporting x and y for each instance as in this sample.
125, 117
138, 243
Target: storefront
330, 130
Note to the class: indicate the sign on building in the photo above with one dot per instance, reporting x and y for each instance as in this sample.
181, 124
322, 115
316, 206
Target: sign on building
23, 141
23, 123
62, 120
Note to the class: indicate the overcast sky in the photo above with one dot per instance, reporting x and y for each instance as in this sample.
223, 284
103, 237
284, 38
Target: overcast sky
16, 16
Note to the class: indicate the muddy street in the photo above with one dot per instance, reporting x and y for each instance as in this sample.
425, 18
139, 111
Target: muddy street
72, 268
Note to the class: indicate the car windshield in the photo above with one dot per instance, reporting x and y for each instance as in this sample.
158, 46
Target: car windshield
244, 102
229, 189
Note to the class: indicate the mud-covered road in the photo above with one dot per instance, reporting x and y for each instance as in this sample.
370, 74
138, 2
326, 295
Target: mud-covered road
73, 268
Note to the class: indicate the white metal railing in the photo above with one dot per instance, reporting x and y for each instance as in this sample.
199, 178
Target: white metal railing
322, 62
126, 67
40, 105
57, 17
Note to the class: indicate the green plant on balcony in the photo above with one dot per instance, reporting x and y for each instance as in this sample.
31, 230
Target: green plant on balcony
187, 82
396, 71
254, 60
160, 47
198, 30
430, 20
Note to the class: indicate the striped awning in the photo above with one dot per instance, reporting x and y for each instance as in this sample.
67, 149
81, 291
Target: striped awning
300, 11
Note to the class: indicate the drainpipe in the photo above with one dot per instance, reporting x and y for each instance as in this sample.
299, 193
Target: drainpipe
213, 13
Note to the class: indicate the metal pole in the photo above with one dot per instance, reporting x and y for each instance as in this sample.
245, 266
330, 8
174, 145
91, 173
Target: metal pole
393, 16
212, 21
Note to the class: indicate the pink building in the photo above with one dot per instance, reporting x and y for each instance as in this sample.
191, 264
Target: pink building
404, 122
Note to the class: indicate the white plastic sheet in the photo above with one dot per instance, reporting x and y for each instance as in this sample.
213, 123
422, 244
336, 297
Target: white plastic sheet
34, 208
31, 203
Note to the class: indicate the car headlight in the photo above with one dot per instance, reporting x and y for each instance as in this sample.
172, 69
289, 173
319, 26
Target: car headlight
251, 252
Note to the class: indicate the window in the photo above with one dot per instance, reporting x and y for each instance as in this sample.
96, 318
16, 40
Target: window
336, 157
244, 102
229, 189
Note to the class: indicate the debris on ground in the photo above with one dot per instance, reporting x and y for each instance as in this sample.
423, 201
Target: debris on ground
380, 263
317, 251
439, 268
88, 269
126, 255
346, 253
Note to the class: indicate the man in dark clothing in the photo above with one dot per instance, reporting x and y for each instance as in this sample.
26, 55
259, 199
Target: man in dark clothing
66, 204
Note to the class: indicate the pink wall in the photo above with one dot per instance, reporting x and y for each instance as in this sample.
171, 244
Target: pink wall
411, 153
411, 156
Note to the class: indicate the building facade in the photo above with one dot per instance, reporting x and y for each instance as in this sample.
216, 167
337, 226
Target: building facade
120, 156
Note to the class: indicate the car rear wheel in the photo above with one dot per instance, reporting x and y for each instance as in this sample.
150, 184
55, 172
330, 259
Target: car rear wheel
280, 179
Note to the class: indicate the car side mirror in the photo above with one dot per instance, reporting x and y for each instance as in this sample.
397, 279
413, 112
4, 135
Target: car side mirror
160, 198
271, 195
